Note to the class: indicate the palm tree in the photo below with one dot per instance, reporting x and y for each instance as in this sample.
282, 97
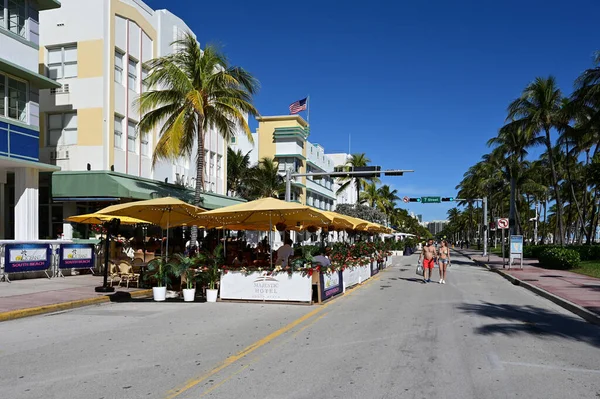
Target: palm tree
238, 168
538, 110
356, 160
265, 180
194, 91
370, 195
511, 147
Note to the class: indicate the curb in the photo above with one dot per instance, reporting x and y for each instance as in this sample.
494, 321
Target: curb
563, 303
56, 307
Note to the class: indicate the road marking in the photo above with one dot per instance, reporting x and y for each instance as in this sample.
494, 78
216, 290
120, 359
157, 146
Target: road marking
261, 342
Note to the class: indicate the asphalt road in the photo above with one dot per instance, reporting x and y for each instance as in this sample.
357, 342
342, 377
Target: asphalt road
478, 336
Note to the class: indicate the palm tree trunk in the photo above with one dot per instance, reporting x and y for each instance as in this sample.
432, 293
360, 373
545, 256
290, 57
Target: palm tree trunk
512, 205
199, 177
593, 219
559, 216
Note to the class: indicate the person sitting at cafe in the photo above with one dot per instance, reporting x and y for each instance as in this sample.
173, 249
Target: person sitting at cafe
322, 258
284, 253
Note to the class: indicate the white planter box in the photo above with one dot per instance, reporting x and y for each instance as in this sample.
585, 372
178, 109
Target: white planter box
350, 277
364, 272
261, 287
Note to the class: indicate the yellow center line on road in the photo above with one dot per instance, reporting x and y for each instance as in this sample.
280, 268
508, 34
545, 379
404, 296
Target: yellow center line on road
258, 344
258, 357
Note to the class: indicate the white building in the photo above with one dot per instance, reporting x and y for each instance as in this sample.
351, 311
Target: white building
348, 195
20, 85
89, 123
436, 226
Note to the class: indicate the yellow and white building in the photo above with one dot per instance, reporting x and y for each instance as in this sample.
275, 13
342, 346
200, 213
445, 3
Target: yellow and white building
96, 50
285, 138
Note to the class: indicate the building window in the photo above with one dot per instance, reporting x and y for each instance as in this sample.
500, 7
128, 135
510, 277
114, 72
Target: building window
131, 136
132, 75
119, 66
62, 129
233, 139
16, 16
13, 96
144, 76
118, 132
62, 62
219, 162
145, 146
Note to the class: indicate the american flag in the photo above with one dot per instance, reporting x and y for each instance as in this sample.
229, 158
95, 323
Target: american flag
298, 106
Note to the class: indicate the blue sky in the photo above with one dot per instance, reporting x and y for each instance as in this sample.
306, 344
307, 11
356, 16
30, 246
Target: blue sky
418, 85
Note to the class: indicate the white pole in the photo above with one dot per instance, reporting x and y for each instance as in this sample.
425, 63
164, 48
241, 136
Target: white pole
308, 110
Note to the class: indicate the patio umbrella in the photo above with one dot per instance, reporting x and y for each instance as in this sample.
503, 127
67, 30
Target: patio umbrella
164, 212
98, 218
263, 214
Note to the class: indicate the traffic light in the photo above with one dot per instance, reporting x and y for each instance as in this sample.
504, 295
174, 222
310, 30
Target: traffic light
415, 200
367, 169
447, 199
392, 173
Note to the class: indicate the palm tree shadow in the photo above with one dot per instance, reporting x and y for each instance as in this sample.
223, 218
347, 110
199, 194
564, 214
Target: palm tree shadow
516, 320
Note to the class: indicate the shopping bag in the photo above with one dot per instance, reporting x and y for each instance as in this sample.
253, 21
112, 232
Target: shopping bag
420, 270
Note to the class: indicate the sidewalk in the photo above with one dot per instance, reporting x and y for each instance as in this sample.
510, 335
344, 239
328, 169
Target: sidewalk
22, 298
577, 293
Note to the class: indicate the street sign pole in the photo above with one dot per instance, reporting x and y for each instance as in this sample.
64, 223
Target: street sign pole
485, 228
503, 257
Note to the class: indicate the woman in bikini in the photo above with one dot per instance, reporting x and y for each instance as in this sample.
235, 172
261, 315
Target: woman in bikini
444, 261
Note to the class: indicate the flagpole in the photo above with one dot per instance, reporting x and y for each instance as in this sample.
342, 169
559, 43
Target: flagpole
308, 110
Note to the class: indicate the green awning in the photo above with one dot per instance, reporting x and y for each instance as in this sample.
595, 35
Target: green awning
98, 185
39, 81
48, 4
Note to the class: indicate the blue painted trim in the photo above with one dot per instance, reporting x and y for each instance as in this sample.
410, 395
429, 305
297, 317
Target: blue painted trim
19, 142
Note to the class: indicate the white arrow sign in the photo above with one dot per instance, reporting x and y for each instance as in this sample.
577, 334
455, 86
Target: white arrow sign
503, 223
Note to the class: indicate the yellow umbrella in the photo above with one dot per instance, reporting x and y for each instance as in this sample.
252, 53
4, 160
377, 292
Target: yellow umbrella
164, 212
263, 212
98, 218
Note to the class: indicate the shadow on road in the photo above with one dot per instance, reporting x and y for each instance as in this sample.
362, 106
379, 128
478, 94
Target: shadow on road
517, 320
412, 279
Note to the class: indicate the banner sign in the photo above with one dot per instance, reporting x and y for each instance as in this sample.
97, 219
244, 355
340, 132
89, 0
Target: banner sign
331, 285
76, 256
27, 257
516, 246
262, 287
374, 268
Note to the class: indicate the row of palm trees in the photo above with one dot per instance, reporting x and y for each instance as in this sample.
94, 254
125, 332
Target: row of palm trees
562, 186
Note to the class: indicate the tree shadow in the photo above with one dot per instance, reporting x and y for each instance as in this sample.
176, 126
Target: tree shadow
518, 320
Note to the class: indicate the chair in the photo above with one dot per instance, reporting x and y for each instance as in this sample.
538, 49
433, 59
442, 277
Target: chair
138, 261
113, 274
127, 274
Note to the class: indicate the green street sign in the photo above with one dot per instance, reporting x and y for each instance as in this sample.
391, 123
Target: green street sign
430, 200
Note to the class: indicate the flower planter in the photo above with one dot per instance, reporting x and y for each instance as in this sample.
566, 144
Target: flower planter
211, 295
189, 294
159, 293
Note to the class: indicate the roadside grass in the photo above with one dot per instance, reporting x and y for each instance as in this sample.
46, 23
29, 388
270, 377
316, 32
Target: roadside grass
589, 268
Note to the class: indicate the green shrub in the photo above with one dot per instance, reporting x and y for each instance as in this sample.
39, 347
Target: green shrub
559, 258
587, 252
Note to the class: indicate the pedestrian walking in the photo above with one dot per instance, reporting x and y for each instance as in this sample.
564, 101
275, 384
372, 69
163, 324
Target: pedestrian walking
444, 261
428, 255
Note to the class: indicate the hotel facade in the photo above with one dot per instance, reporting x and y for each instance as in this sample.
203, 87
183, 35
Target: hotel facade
285, 139
89, 124
20, 88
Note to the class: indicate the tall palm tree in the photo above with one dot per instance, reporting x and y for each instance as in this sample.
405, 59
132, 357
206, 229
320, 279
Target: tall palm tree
356, 160
539, 110
511, 144
387, 201
265, 180
370, 195
192, 92
238, 168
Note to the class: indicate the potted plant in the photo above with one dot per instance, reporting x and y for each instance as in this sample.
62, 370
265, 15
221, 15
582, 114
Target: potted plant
184, 266
212, 271
159, 270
